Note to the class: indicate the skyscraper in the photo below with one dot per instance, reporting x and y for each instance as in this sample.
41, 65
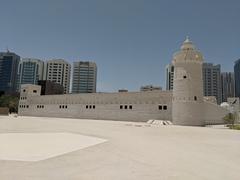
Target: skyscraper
228, 85
59, 71
84, 77
30, 71
169, 76
8, 71
237, 77
212, 81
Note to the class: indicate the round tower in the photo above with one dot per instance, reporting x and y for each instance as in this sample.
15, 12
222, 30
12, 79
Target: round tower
188, 86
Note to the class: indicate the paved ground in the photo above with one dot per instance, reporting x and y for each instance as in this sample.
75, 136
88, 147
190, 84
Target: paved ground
133, 151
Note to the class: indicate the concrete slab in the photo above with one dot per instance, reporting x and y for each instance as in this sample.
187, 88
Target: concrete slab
133, 151
41, 146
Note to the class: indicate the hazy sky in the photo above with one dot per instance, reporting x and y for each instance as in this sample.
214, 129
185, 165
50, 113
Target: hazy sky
130, 40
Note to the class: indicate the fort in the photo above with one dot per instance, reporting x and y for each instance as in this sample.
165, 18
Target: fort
185, 105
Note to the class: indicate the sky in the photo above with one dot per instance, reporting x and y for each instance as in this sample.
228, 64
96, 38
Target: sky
130, 40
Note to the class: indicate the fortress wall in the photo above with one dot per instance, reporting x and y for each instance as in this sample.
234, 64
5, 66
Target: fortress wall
145, 106
213, 113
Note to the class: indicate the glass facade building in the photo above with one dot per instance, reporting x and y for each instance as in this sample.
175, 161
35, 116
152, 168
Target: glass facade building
84, 77
237, 77
212, 81
30, 71
8, 72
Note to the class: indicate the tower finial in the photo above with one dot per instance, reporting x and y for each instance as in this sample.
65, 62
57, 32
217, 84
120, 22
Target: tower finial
187, 39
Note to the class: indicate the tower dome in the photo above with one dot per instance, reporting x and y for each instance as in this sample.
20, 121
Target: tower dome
188, 52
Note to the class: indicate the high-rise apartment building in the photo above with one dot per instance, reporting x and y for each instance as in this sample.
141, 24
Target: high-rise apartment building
228, 85
30, 71
8, 71
237, 77
212, 81
84, 77
169, 76
59, 71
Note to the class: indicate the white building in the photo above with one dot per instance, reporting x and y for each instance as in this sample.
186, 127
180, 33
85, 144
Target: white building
59, 71
184, 105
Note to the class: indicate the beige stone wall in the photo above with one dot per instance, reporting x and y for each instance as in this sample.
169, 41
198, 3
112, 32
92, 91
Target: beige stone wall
213, 113
145, 106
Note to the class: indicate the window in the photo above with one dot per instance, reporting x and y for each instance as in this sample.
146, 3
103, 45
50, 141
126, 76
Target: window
184, 77
27, 106
37, 106
195, 98
121, 106
86, 106
60, 106
24, 90
34, 91
130, 107
90, 107
93, 106
125, 107
165, 107
66, 106
160, 107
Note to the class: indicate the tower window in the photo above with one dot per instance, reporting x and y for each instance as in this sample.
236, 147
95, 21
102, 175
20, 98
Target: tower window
195, 98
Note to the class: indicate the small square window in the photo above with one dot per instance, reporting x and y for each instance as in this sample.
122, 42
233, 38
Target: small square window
160, 107
24, 90
93, 106
121, 106
125, 107
27, 106
86, 106
90, 107
130, 107
66, 106
60, 106
34, 91
165, 107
